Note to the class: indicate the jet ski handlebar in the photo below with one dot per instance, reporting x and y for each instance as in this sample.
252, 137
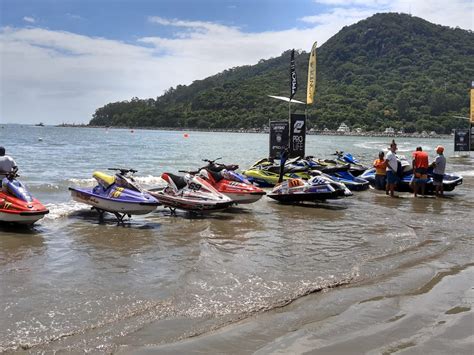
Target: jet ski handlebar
189, 172
212, 165
124, 171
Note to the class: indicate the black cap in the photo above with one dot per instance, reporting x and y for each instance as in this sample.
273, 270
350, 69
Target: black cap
2, 151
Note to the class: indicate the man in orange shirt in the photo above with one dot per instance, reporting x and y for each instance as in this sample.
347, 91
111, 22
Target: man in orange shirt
420, 170
380, 166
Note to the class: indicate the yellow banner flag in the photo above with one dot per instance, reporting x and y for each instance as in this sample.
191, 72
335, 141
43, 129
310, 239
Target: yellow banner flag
311, 76
472, 102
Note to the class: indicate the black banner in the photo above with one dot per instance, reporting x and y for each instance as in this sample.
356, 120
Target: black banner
461, 140
472, 136
297, 135
279, 133
293, 81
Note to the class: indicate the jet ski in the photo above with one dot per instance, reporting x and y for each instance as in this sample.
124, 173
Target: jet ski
17, 205
266, 173
450, 181
118, 194
316, 189
230, 183
338, 173
189, 193
356, 167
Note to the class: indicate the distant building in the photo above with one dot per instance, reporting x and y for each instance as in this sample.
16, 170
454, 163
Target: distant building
343, 128
358, 130
389, 130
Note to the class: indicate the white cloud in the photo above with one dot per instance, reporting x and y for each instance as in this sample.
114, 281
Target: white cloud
29, 19
57, 76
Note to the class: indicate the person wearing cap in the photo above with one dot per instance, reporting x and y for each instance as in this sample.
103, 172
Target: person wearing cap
380, 166
7, 164
420, 170
439, 166
392, 167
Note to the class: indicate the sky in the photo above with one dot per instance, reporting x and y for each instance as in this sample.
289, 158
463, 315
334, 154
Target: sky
60, 60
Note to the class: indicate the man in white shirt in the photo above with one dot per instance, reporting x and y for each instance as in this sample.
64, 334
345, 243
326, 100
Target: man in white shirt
7, 164
392, 167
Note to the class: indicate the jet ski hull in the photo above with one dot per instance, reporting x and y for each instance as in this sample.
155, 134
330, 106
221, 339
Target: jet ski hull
142, 205
315, 190
450, 181
188, 203
17, 205
22, 217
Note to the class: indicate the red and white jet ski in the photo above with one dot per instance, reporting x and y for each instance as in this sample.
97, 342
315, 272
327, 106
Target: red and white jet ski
16, 203
189, 193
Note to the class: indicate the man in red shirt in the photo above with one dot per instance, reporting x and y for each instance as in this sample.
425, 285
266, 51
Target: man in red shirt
420, 170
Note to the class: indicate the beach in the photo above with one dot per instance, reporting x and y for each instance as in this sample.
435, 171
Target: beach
367, 274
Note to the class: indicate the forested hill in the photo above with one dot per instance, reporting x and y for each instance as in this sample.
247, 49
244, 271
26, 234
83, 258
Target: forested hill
388, 70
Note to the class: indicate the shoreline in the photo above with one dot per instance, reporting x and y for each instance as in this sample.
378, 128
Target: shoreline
254, 130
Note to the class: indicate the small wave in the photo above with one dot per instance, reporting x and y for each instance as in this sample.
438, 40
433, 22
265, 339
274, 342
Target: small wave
82, 182
151, 180
60, 210
469, 173
402, 146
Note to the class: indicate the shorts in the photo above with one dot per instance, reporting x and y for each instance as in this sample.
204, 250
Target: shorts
420, 175
392, 177
437, 179
380, 181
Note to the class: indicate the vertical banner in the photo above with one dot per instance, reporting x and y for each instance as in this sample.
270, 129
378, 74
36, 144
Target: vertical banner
472, 103
311, 87
279, 133
293, 80
297, 135
461, 140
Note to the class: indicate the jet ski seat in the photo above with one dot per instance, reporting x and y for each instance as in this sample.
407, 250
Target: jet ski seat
103, 179
177, 180
216, 175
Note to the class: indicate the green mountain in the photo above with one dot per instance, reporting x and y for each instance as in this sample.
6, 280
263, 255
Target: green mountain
387, 70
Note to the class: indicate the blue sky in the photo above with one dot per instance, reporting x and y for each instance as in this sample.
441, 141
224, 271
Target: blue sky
62, 59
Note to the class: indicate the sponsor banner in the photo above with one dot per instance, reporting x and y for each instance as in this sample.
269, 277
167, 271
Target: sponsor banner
311, 88
293, 80
279, 133
461, 140
297, 135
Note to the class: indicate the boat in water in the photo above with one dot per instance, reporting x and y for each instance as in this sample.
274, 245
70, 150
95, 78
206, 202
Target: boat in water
17, 205
119, 195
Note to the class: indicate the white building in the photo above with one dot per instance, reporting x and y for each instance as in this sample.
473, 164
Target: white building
343, 128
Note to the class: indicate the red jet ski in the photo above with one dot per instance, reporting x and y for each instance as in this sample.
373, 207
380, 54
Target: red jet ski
16, 203
230, 183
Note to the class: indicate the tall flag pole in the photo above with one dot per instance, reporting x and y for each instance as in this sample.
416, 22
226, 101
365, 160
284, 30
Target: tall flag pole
311, 87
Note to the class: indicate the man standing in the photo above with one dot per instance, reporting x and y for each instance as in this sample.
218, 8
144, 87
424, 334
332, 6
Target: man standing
392, 167
420, 170
380, 166
439, 166
7, 164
